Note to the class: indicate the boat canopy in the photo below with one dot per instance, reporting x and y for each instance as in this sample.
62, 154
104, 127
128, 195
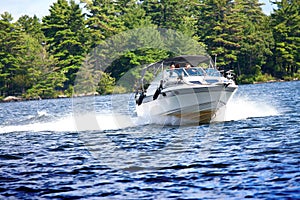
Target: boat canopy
194, 60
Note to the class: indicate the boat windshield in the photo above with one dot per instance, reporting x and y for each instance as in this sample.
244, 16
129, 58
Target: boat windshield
212, 72
176, 72
194, 71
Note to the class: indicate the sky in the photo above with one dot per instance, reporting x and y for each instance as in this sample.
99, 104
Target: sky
41, 7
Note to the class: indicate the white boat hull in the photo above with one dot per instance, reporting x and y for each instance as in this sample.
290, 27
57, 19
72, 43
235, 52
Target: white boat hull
197, 104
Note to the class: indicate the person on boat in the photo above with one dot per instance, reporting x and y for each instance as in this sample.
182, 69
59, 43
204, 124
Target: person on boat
172, 72
172, 66
191, 71
187, 66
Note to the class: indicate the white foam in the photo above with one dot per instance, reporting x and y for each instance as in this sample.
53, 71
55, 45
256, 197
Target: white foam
104, 121
62, 124
240, 108
83, 122
42, 113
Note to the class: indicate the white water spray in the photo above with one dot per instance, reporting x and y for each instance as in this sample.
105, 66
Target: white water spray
239, 108
68, 124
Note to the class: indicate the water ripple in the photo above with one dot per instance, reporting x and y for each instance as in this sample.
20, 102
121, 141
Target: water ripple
251, 157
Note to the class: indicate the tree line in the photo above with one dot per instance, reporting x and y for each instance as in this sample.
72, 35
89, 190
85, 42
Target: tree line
41, 57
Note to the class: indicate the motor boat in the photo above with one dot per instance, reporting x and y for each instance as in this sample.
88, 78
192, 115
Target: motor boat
188, 87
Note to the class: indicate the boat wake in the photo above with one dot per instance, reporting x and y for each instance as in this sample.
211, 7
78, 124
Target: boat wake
239, 108
69, 123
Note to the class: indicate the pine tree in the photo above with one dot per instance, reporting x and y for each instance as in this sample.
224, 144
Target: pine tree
10, 54
237, 32
285, 22
217, 27
24, 61
31, 26
66, 35
132, 14
256, 38
103, 20
173, 14
43, 72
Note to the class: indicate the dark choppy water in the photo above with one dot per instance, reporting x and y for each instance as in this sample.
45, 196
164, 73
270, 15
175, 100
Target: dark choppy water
255, 154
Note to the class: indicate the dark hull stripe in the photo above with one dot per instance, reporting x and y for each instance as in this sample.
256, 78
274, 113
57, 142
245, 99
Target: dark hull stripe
190, 91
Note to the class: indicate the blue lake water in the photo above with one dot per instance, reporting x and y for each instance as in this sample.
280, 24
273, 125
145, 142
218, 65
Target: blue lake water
97, 148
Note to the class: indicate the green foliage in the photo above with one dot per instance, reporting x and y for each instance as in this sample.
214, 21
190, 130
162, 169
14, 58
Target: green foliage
237, 32
294, 76
31, 26
264, 78
285, 23
133, 15
13, 54
70, 91
66, 36
103, 19
48, 80
259, 78
145, 46
172, 14
42, 59
244, 79
120, 90
106, 84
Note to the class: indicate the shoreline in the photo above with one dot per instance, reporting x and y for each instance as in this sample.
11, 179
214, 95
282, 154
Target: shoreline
9, 99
